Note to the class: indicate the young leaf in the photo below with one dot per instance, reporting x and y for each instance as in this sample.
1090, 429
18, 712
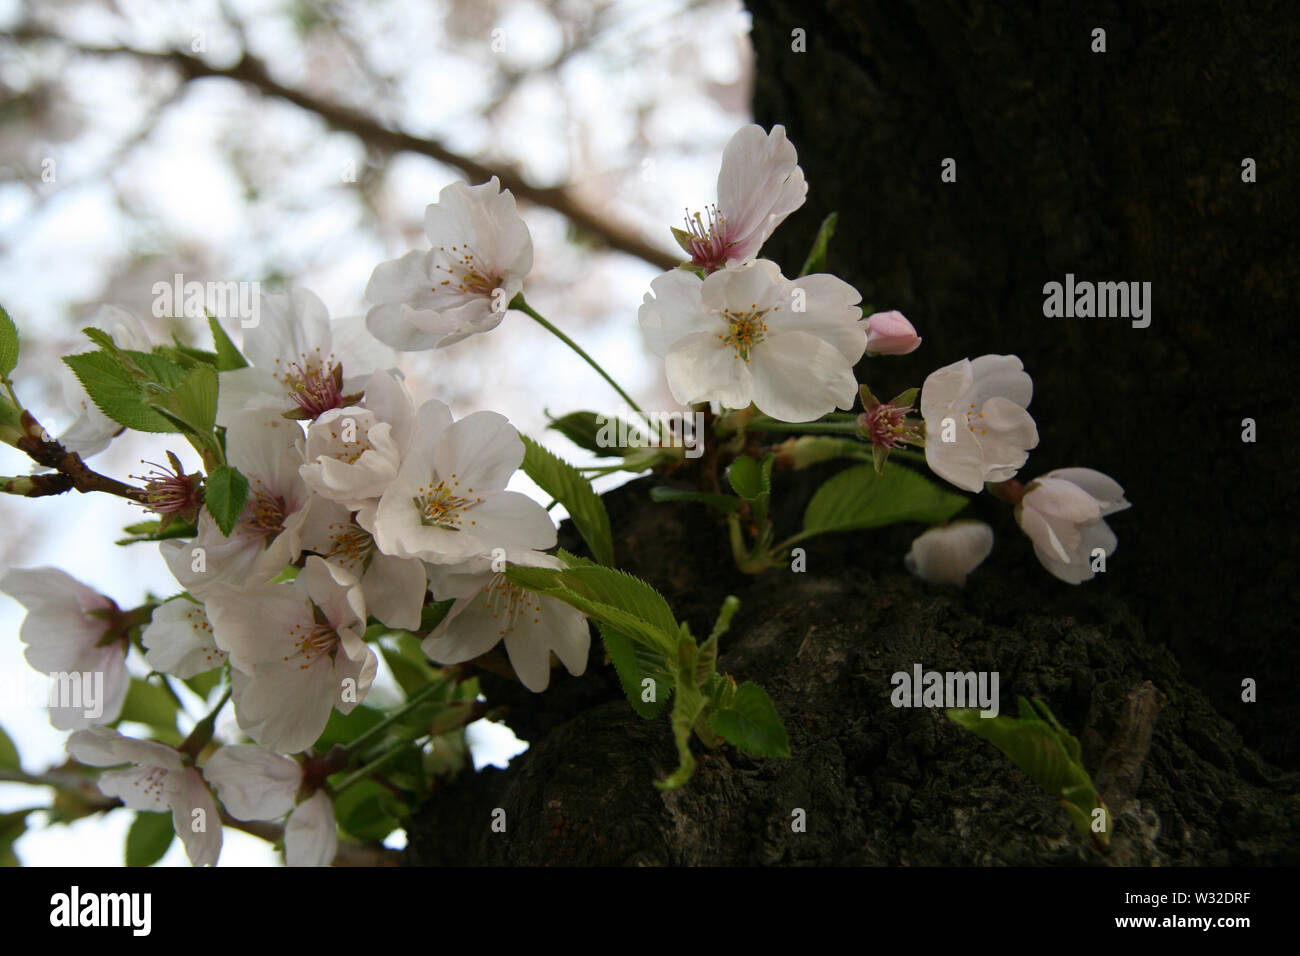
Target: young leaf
816, 261
148, 839
115, 392
192, 403
688, 704
858, 498
625, 603
751, 723
566, 484
8, 344
1048, 754
225, 493
746, 478
599, 433
228, 357
635, 663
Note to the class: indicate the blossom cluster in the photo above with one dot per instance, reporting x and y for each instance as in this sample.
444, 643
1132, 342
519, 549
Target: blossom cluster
362, 508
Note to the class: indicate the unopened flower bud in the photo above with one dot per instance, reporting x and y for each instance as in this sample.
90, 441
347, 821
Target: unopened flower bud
889, 333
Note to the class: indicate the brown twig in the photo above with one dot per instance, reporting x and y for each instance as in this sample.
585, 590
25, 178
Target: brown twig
251, 71
72, 471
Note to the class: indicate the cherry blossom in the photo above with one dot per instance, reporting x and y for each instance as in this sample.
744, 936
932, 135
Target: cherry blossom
489, 609
296, 360
70, 635
159, 780
889, 333
178, 640
977, 429
481, 253
448, 502
1062, 513
264, 446
748, 334
297, 652
353, 453
759, 184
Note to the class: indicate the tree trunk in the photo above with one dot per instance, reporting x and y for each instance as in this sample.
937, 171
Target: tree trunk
1116, 166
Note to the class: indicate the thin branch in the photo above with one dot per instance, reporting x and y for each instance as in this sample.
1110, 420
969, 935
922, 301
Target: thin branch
48, 453
251, 71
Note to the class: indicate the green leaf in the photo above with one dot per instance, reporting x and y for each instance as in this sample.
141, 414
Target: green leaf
751, 723
368, 810
116, 392
148, 531
8, 344
724, 503
344, 728
1047, 753
228, 357
689, 703
8, 752
613, 597
100, 338
566, 484
192, 403
634, 663
148, 839
746, 478
816, 261
151, 705
600, 433
225, 494
858, 498
409, 664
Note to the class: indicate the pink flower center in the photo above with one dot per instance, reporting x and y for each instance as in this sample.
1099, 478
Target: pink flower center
315, 387
169, 492
707, 242
885, 425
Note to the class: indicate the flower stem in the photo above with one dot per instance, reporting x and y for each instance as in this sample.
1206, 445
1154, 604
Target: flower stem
414, 701
374, 765
519, 303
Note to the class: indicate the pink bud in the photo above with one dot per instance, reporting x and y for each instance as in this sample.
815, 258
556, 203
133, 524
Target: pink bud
889, 333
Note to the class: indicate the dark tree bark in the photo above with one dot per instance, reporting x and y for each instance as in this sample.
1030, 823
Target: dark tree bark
1117, 166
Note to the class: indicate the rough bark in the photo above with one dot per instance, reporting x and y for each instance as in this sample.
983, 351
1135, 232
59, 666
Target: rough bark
879, 785
1117, 166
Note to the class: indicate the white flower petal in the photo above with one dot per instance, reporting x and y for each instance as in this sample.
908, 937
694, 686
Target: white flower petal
311, 836
252, 782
